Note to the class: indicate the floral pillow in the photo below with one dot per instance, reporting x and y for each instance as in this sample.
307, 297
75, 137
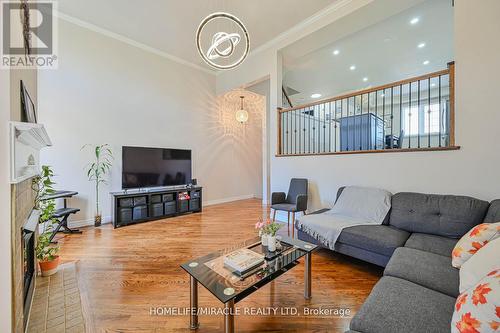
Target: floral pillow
472, 241
477, 310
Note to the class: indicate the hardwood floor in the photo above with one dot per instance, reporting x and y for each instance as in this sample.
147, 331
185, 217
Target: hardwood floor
125, 272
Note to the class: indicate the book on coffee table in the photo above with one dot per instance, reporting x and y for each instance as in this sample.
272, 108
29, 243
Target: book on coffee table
243, 261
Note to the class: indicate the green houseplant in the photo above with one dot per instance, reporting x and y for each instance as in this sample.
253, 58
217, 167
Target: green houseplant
96, 172
46, 252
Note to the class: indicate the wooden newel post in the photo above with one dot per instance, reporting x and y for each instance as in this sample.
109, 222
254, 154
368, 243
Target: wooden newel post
280, 151
451, 68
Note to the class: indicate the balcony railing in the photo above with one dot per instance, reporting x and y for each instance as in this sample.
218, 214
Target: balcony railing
409, 115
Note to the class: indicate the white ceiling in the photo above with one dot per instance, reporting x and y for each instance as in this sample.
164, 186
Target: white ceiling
170, 25
384, 52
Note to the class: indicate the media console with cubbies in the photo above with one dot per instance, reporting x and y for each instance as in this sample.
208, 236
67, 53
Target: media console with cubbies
131, 207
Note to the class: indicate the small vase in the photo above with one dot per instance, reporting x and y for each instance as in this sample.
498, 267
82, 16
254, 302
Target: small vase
264, 239
271, 243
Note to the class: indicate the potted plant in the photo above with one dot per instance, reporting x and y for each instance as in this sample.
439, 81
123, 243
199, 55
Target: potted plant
46, 253
96, 172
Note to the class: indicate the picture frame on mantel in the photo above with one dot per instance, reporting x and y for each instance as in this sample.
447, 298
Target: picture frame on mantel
28, 113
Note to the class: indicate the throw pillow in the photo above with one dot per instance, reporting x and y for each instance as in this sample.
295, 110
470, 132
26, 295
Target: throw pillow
472, 241
477, 309
487, 259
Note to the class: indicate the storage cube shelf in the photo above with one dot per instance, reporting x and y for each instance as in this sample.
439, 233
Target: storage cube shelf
134, 206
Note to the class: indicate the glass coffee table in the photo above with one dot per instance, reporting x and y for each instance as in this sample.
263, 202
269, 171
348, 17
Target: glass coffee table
230, 288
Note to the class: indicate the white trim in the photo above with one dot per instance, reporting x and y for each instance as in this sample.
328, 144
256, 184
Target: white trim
295, 31
230, 199
88, 222
130, 41
108, 219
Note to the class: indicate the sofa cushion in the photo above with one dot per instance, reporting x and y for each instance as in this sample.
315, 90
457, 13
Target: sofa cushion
443, 215
396, 305
427, 269
377, 238
431, 243
493, 214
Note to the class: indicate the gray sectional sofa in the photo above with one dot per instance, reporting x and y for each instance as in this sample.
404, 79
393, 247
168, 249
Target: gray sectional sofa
419, 287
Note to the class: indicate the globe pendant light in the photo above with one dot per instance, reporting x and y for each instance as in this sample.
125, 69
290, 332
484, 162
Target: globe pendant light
241, 114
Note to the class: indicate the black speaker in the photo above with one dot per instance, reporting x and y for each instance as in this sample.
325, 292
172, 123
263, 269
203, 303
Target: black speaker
194, 181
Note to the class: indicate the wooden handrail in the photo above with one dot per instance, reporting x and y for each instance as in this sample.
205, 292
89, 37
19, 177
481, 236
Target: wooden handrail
283, 145
449, 71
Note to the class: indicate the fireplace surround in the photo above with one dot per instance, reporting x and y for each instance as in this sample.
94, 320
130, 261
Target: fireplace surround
28, 235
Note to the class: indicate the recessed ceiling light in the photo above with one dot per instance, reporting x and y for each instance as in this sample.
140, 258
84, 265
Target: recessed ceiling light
353, 67
426, 62
315, 95
336, 52
365, 79
421, 45
414, 20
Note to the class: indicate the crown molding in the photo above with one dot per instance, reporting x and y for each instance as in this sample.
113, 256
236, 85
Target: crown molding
295, 31
131, 42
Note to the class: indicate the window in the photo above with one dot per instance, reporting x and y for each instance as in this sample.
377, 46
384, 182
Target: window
418, 122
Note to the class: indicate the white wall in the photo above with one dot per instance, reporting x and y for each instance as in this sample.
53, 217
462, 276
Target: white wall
107, 91
5, 217
473, 170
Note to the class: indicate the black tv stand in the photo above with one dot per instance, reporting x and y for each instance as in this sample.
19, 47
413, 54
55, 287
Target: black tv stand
135, 206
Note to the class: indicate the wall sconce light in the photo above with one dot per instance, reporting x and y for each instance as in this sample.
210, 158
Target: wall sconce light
241, 114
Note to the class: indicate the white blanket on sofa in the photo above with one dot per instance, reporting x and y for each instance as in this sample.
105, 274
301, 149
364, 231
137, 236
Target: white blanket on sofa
355, 206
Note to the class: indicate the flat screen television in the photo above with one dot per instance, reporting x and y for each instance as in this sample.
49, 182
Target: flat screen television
155, 167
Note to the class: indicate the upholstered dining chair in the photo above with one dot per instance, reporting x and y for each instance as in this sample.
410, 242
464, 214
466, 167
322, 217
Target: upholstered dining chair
294, 201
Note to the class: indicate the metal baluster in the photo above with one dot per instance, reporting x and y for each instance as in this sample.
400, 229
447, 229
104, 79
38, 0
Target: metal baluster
330, 127
361, 125
324, 128
335, 124
401, 126
300, 130
418, 113
383, 120
348, 121
409, 117
354, 125
294, 131
309, 131
368, 136
392, 117
376, 114
440, 112
429, 111
319, 129
285, 115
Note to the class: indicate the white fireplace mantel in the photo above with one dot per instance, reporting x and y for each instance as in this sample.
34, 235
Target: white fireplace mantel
26, 141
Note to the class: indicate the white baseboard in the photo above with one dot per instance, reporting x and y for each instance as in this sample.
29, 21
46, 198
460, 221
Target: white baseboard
107, 219
88, 222
230, 199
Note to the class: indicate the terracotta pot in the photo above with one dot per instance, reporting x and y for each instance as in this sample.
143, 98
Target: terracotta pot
97, 220
49, 267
